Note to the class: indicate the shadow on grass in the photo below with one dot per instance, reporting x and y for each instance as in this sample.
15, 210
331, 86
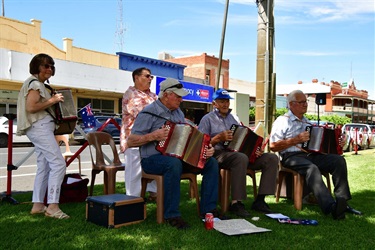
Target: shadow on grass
21, 230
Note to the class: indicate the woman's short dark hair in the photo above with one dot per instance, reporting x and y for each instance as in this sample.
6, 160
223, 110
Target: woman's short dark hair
38, 60
138, 71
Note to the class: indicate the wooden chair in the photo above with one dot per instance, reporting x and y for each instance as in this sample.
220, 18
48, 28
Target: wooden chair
193, 191
96, 141
67, 154
297, 186
224, 186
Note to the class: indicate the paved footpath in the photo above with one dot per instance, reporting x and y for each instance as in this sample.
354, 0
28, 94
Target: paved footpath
22, 179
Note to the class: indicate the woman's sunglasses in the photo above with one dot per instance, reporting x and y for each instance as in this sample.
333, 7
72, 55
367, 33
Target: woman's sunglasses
47, 66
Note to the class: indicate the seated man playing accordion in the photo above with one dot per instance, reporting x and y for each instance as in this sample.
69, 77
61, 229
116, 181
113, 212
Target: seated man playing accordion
287, 136
149, 129
217, 124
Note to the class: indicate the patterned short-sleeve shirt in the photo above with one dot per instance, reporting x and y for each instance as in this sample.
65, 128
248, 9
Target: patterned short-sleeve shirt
133, 101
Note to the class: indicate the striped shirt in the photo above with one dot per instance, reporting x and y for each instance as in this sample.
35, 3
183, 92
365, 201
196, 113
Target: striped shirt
288, 126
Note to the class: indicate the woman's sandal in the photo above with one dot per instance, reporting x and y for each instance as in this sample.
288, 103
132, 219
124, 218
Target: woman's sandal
42, 211
58, 215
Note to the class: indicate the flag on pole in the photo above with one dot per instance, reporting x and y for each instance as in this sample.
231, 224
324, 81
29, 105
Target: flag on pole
87, 116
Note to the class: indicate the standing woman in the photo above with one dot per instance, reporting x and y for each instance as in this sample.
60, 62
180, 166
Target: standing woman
33, 120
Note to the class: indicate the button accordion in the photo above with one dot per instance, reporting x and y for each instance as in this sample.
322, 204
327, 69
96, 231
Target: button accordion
186, 143
65, 113
244, 141
323, 140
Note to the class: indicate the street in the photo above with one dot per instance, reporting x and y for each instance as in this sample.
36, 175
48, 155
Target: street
23, 178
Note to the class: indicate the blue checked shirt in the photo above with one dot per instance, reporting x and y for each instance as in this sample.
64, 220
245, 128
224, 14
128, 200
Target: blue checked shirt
146, 123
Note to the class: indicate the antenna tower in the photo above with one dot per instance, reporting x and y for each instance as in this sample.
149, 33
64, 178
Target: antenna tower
120, 29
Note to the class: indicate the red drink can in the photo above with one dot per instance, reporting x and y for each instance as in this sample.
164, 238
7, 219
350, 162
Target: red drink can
209, 221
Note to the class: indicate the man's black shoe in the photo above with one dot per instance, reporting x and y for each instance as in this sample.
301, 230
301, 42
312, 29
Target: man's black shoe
353, 211
339, 208
178, 223
238, 209
262, 207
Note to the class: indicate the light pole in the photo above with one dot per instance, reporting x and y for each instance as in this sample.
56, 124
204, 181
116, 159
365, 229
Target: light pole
222, 45
2, 5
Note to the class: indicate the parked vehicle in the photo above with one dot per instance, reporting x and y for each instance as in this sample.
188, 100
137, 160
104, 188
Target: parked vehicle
4, 133
360, 135
372, 136
99, 120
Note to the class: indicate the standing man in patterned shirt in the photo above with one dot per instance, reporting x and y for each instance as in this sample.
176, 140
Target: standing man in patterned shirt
134, 100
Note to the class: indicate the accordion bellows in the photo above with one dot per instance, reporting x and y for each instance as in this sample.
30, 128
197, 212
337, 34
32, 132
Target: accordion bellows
323, 140
186, 143
244, 141
66, 113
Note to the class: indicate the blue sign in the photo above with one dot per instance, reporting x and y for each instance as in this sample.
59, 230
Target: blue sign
197, 92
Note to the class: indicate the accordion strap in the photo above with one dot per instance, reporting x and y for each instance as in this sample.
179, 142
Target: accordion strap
156, 115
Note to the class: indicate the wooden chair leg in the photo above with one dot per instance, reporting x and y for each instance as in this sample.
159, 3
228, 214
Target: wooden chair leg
279, 185
93, 176
111, 181
298, 190
193, 188
224, 189
160, 201
252, 175
159, 194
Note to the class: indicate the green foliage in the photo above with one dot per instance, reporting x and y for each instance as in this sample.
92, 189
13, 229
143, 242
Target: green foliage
336, 119
280, 111
252, 114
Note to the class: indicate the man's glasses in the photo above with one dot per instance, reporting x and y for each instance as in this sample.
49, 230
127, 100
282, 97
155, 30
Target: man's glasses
301, 102
178, 86
47, 66
149, 76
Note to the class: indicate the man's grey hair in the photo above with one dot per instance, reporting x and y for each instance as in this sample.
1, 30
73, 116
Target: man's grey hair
161, 93
292, 95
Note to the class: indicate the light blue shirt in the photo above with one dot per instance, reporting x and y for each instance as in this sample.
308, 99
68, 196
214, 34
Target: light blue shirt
214, 123
288, 126
146, 123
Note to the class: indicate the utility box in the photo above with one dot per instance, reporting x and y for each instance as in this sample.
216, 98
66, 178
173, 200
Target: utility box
115, 210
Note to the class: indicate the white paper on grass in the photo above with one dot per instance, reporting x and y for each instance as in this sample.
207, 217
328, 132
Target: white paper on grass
237, 227
72, 180
277, 216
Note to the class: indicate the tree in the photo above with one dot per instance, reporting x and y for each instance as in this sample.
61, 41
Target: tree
336, 119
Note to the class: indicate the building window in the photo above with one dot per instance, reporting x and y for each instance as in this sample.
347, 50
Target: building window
207, 80
97, 105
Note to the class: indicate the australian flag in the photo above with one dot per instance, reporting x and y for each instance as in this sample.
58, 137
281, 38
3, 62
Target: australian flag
87, 116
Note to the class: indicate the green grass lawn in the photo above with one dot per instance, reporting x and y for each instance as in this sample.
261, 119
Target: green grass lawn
20, 230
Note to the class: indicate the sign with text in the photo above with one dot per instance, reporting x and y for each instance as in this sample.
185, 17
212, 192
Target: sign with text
197, 92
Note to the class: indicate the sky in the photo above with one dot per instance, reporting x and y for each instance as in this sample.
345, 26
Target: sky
314, 39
